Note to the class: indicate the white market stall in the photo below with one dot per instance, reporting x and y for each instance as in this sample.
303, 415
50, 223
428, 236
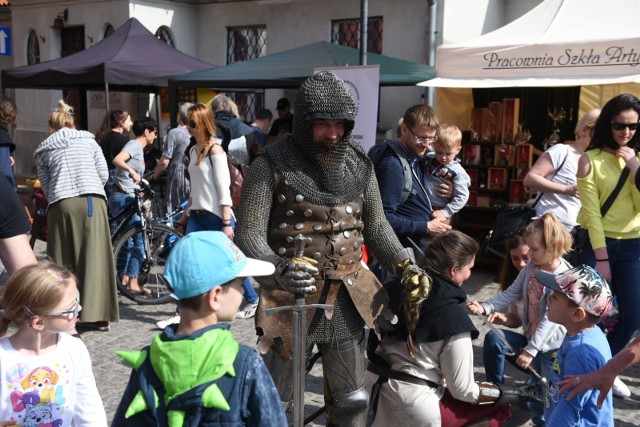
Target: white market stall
588, 43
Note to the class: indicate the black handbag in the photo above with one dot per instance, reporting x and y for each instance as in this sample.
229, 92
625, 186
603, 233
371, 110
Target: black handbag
509, 220
580, 235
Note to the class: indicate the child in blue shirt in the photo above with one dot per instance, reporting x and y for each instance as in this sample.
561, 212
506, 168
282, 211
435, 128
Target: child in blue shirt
442, 165
580, 298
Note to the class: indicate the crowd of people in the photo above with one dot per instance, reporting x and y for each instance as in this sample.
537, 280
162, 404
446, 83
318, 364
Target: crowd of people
312, 199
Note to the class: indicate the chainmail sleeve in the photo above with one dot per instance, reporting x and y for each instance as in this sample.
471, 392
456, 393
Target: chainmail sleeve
255, 210
378, 234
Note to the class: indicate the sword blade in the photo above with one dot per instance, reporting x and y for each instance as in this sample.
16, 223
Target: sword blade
497, 332
506, 343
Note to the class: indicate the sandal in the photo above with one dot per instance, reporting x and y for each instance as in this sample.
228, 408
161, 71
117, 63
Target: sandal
140, 291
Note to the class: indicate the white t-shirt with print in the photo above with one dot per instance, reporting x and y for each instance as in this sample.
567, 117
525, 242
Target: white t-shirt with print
53, 389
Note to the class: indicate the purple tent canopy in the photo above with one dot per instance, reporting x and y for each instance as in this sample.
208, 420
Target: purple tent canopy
130, 59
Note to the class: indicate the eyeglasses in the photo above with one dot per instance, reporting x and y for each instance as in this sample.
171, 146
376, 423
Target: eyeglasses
621, 126
192, 124
69, 314
423, 139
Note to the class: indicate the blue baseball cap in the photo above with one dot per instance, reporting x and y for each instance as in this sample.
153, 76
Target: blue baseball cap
202, 260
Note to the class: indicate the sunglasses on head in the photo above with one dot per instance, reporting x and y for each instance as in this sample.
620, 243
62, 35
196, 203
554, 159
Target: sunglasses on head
622, 126
192, 124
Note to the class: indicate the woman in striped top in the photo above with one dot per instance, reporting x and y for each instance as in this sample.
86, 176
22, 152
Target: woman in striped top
72, 171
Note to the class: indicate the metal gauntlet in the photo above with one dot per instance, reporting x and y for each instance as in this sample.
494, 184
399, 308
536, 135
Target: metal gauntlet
296, 275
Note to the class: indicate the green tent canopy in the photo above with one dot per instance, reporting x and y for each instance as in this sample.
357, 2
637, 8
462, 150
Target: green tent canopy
289, 68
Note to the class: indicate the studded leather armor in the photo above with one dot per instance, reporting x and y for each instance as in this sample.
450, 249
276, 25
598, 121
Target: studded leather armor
336, 243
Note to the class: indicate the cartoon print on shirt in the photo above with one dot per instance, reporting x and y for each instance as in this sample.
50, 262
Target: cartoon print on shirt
40, 415
37, 397
552, 393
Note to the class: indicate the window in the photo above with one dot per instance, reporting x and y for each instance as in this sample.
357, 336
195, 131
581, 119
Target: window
108, 30
164, 33
346, 32
244, 43
33, 48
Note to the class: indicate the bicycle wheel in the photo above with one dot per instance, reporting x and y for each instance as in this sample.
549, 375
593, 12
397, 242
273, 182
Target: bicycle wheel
149, 264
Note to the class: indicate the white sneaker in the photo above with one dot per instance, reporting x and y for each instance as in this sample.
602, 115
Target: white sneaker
620, 389
161, 324
248, 311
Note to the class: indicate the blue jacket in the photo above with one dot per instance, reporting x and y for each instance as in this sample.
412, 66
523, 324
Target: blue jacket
251, 394
408, 218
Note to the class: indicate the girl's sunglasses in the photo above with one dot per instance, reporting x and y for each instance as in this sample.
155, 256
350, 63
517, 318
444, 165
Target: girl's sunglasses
69, 314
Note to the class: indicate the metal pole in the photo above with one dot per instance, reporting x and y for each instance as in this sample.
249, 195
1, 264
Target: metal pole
173, 105
364, 30
431, 44
106, 95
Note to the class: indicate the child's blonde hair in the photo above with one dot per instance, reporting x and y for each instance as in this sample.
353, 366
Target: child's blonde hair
553, 235
449, 136
37, 288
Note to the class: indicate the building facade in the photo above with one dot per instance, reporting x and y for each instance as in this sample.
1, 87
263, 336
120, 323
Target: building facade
225, 31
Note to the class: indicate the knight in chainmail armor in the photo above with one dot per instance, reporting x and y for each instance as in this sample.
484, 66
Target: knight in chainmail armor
323, 188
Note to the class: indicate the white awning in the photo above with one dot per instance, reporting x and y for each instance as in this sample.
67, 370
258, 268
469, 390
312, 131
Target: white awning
558, 43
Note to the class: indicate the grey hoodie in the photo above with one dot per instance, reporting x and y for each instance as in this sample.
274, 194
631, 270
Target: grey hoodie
70, 163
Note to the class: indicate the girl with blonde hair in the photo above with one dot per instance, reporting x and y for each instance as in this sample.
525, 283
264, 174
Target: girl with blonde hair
45, 372
548, 242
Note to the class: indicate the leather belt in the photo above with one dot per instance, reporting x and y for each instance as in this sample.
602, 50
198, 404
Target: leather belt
398, 375
200, 212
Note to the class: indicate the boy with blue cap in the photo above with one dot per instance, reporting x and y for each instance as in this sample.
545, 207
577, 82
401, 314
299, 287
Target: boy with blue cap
580, 298
195, 373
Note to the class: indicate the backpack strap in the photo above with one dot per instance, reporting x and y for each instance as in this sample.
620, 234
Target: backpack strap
407, 185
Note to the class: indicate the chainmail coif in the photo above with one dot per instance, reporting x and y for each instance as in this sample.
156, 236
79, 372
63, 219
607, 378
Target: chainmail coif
324, 175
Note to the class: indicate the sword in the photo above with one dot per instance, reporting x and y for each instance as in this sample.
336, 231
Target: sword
299, 337
504, 341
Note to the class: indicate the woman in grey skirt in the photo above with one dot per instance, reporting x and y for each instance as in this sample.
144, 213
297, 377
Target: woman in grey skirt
73, 171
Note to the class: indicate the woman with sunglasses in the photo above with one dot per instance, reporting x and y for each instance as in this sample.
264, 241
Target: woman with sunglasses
209, 205
614, 239
210, 201
46, 372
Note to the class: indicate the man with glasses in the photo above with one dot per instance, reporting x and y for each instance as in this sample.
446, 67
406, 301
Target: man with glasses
411, 215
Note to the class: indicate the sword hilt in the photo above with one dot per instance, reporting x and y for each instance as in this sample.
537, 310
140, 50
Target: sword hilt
299, 243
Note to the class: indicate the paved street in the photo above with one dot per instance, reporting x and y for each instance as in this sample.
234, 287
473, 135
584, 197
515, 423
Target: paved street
136, 330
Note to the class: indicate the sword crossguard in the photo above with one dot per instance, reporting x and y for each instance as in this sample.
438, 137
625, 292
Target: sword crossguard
300, 242
298, 308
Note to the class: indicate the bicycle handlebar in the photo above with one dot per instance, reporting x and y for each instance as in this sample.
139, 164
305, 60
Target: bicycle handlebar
144, 185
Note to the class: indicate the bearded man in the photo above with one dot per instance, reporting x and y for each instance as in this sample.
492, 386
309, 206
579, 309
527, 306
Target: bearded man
319, 183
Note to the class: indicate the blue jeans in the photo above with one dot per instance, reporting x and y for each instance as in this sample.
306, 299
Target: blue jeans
494, 353
624, 261
203, 221
128, 265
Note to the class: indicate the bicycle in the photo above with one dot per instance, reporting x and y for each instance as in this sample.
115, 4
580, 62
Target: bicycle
158, 237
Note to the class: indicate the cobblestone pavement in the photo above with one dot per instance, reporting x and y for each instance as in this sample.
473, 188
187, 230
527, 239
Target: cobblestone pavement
136, 329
